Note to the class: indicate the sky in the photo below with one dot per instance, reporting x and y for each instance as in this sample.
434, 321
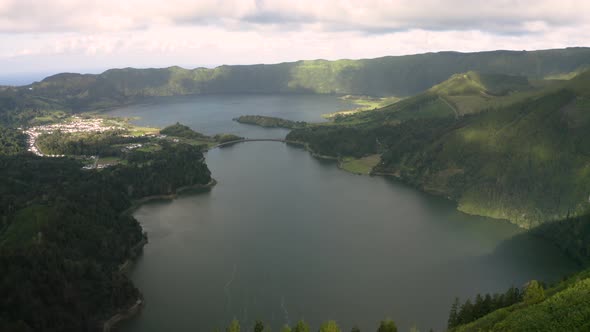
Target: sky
49, 36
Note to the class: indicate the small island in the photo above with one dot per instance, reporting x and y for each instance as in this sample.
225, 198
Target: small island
270, 122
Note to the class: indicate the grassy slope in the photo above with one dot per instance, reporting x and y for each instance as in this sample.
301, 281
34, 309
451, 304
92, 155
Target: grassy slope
526, 162
361, 166
461, 94
524, 159
565, 308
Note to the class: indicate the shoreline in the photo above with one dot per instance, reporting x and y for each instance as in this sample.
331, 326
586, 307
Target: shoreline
166, 197
135, 251
130, 312
398, 177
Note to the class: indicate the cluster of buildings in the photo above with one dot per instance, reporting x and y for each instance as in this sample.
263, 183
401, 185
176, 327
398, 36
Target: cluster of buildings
74, 125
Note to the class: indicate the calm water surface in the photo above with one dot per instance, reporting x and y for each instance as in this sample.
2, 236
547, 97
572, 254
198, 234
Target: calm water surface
284, 236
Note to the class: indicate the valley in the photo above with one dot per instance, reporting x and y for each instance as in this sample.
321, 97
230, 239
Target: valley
476, 180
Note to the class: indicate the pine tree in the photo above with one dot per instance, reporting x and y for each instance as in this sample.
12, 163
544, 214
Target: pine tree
487, 305
234, 326
301, 327
330, 326
258, 326
387, 325
453, 315
466, 313
534, 293
477, 307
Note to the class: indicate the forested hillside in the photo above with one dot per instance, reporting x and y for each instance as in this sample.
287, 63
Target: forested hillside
525, 159
64, 234
387, 76
562, 307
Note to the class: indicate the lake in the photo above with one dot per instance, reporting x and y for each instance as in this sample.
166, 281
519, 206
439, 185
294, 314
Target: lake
285, 236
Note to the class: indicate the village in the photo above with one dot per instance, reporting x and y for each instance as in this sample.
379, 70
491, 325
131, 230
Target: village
75, 124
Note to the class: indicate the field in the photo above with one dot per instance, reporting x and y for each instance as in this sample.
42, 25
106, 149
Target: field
362, 166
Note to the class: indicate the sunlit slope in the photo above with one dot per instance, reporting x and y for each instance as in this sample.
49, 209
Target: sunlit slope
566, 307
526, 159
528, 162
386, 76
463, 93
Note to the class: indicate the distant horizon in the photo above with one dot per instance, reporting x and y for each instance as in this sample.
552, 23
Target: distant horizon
27, 77
74, 36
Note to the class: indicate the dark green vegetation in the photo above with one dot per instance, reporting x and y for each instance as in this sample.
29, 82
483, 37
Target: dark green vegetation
571, 235
180, 130
503, 144
224, 138
109, 143
387, 325
64, 233
12, 141
270, 122
500, 147
563, 307
386, 76
524, 160
481, 306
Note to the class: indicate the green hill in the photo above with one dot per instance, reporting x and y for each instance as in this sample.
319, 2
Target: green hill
461, 94
386, 76
525, 160
565, 307
180, 130
475, 83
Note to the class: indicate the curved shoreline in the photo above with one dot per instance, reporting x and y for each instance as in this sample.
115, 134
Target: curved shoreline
397, 175
135, 308
180, 191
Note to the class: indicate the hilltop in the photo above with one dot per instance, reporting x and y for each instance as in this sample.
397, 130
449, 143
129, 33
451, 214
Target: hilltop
518, 155
385, 76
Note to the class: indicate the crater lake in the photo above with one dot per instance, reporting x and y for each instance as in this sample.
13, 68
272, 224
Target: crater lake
284, 236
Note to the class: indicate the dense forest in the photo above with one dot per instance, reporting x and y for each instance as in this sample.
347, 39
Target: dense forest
482, 305
180, 130
386, 325
525, 161
108, 143
505, 144
269, 122
12, 141
386, 76
64, 234
562, 307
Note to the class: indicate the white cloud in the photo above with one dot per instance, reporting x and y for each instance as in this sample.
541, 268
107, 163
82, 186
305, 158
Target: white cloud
40, 35
513, 16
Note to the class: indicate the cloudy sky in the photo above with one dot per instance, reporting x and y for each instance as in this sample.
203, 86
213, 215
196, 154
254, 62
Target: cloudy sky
69, 35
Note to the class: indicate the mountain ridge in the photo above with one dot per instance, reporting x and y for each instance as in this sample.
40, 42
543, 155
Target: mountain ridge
519, 157
383, 76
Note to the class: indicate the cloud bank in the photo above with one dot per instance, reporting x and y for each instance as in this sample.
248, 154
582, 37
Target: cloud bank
40, 34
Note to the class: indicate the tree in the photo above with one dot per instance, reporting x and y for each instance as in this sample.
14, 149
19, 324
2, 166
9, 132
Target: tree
487, 304
301, 327
453, 315
286, 328
234, 326
478, 306
258, 326
330, 326
534, 293
466, 313
387, 325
